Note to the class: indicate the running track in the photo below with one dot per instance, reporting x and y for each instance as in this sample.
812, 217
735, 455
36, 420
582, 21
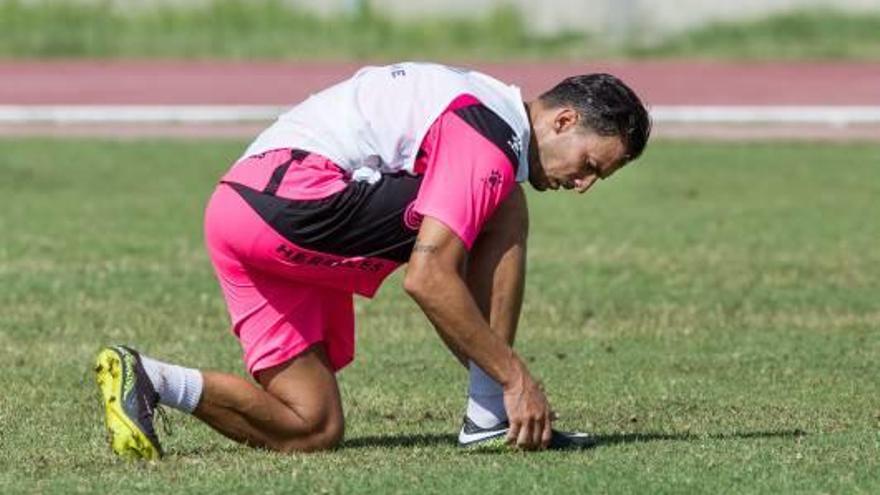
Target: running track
278, 83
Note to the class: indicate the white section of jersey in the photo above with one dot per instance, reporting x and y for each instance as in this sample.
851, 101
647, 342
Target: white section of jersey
375, 122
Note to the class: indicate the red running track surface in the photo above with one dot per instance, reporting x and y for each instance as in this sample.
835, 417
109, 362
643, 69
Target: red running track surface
283, 83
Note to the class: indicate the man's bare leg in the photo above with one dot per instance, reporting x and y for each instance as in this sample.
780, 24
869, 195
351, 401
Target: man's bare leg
496, 271
298, 407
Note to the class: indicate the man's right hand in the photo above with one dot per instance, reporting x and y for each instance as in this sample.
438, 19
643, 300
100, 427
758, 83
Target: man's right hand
528, 410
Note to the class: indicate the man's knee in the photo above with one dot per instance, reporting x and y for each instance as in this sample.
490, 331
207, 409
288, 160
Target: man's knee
330, 436
319, 434
307, 386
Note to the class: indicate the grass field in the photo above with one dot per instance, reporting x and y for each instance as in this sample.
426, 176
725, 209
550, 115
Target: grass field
822, 34
711, 314
271, 29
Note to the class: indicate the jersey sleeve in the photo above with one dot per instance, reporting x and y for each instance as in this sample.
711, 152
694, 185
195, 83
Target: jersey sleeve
468, 175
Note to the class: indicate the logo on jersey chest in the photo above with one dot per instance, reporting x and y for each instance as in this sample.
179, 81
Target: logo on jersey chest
515, 143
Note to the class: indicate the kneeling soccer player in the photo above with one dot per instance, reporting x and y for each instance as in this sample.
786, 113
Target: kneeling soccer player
409, 163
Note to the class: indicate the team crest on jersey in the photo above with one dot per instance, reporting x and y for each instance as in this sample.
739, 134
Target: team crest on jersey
492, 180
411, 218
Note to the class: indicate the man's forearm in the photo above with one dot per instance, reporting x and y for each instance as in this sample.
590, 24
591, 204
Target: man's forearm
448, 303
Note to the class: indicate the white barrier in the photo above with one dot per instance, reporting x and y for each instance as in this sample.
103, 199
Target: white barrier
226, 114
136, 114
829, 115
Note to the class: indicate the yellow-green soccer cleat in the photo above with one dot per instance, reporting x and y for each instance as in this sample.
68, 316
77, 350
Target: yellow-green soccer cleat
129, 401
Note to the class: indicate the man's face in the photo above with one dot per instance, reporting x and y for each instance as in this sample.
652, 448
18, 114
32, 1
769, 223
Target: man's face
571, 156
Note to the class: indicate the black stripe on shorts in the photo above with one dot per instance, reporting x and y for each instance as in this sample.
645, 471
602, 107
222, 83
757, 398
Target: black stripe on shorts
361, 220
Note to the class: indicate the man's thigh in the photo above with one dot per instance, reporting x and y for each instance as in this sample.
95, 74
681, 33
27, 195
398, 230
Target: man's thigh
277, 319
307, 385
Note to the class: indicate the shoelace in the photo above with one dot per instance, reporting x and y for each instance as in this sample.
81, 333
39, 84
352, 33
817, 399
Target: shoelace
154, 410
163, 418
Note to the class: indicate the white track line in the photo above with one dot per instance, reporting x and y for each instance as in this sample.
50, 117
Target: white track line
225, 114
137, 114
829, 115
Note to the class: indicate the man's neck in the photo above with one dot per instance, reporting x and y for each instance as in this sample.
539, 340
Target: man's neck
533, 142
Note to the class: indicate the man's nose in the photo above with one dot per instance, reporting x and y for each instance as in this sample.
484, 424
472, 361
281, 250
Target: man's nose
581, 185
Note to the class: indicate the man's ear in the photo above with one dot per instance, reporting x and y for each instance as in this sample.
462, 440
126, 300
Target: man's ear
566, 117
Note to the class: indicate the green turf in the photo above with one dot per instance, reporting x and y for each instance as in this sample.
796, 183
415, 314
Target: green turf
711, 313
819, 34
272, 29
247, 29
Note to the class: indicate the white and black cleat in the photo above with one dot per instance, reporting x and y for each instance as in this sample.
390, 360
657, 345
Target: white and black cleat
474, 436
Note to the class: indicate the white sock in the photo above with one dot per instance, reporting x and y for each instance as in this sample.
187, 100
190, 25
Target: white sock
178, 387
485, 399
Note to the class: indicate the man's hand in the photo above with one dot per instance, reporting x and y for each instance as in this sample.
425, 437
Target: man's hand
528, 411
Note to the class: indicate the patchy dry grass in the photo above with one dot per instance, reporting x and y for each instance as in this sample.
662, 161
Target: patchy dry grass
711, 314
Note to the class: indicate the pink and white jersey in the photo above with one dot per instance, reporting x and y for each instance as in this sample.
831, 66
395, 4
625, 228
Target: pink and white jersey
375, 122
329, 200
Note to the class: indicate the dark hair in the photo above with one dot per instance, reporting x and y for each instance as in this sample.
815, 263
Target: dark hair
607, 106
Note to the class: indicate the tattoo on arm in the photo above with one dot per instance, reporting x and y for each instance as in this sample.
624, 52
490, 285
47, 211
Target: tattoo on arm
424, 248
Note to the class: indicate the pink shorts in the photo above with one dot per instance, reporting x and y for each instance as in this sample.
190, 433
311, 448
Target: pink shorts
274, 315
291, 238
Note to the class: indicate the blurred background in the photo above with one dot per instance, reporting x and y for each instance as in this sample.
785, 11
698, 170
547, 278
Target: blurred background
749, 69
309, 29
